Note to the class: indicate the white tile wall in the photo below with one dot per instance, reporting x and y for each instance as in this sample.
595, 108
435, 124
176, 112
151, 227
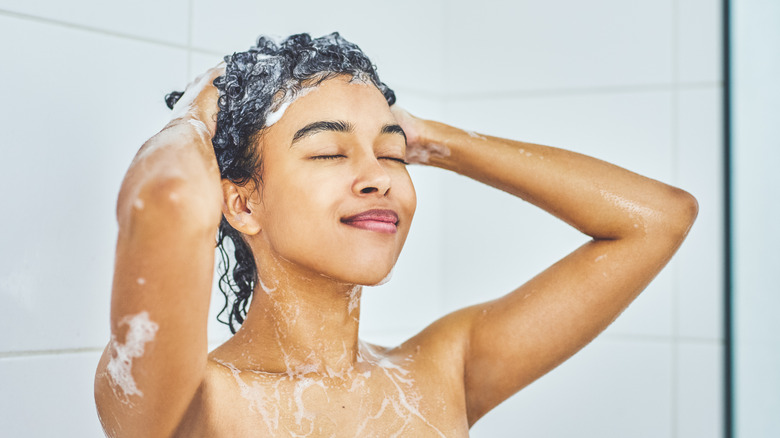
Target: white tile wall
164, 21
699, 389
635, 83
700, 33
49, 396
610, 389
699, 170
496, 46
631, 129
404, 39
80, 111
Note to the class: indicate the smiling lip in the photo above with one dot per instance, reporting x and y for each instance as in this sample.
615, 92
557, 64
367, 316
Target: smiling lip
381, 221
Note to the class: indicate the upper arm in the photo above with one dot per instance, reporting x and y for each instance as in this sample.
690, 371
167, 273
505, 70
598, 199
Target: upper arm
160, 295
511, 341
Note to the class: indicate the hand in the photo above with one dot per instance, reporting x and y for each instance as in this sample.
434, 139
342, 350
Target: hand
198, 104
418, 149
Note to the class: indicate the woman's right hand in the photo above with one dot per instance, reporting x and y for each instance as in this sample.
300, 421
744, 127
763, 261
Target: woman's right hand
198, 104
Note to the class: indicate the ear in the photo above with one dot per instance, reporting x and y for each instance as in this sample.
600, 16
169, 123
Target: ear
238, 209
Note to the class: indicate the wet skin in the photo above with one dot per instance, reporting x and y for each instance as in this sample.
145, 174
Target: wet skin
296, 366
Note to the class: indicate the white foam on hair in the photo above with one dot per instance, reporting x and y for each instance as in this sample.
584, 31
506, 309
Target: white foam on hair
276, 115
362, 77
141, 330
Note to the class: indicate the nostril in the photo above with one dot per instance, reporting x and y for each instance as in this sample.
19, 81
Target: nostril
367, 190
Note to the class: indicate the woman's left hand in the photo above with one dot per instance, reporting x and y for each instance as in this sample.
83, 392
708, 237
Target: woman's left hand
418, 149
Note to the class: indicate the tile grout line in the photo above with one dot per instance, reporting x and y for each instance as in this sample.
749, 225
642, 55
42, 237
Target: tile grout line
661, 339
573, 91
189, 41
675, 353
51, 352
443, 100
105, 32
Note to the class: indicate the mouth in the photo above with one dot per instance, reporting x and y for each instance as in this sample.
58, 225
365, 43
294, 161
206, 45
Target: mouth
380, 221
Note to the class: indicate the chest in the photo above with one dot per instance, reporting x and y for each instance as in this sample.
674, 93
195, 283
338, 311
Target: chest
377, 402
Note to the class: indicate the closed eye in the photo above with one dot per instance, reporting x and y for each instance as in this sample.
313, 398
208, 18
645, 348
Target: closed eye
400, 160
327, 157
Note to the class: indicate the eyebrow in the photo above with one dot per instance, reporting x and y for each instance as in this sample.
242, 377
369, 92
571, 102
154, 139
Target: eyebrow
321, 126
339, 126
393, 129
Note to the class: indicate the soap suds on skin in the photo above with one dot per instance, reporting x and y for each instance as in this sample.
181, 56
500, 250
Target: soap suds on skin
283, 400
265, 288
387, 278
423, 154
354, 298
141, 330
475, 135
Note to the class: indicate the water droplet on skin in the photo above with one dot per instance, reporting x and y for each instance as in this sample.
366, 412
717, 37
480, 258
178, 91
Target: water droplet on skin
141, 281
475, 135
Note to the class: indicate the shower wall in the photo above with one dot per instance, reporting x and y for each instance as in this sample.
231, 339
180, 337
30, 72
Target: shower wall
638, 84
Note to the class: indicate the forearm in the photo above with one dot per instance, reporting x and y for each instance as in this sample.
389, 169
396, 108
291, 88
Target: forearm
598, 198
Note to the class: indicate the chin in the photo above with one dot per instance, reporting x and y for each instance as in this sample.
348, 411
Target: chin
371, 275
385, 279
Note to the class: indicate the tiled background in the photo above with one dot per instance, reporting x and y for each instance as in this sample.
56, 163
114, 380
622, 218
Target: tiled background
636, 83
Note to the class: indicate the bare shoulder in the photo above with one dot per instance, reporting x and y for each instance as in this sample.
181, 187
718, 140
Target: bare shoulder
445, 341
217, 409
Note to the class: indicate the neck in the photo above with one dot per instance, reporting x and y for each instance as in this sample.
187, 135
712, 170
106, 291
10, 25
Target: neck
300, 324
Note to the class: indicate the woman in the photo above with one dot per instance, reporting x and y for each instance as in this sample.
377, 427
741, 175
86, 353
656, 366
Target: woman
305, 171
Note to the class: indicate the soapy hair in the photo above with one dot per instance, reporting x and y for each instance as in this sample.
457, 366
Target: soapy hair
257, 83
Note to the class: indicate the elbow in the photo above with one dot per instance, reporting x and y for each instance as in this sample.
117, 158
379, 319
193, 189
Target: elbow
687, 210
678, 215
169, 200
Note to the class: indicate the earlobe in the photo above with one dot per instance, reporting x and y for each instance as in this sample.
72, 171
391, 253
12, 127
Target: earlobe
238, 210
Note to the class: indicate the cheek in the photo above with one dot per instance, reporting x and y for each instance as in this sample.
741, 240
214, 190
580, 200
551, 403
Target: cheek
297, 209
406, 193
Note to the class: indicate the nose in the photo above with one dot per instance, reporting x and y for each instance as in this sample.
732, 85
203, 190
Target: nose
370, 177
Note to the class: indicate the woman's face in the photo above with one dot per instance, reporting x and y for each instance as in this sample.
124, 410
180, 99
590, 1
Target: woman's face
336, 198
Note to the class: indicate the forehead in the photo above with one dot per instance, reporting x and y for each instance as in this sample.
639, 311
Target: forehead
359, 103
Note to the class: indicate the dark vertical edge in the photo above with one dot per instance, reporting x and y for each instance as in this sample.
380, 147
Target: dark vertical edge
728, 372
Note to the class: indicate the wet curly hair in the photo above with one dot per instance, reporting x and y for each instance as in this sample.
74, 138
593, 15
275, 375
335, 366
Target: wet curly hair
256, 83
